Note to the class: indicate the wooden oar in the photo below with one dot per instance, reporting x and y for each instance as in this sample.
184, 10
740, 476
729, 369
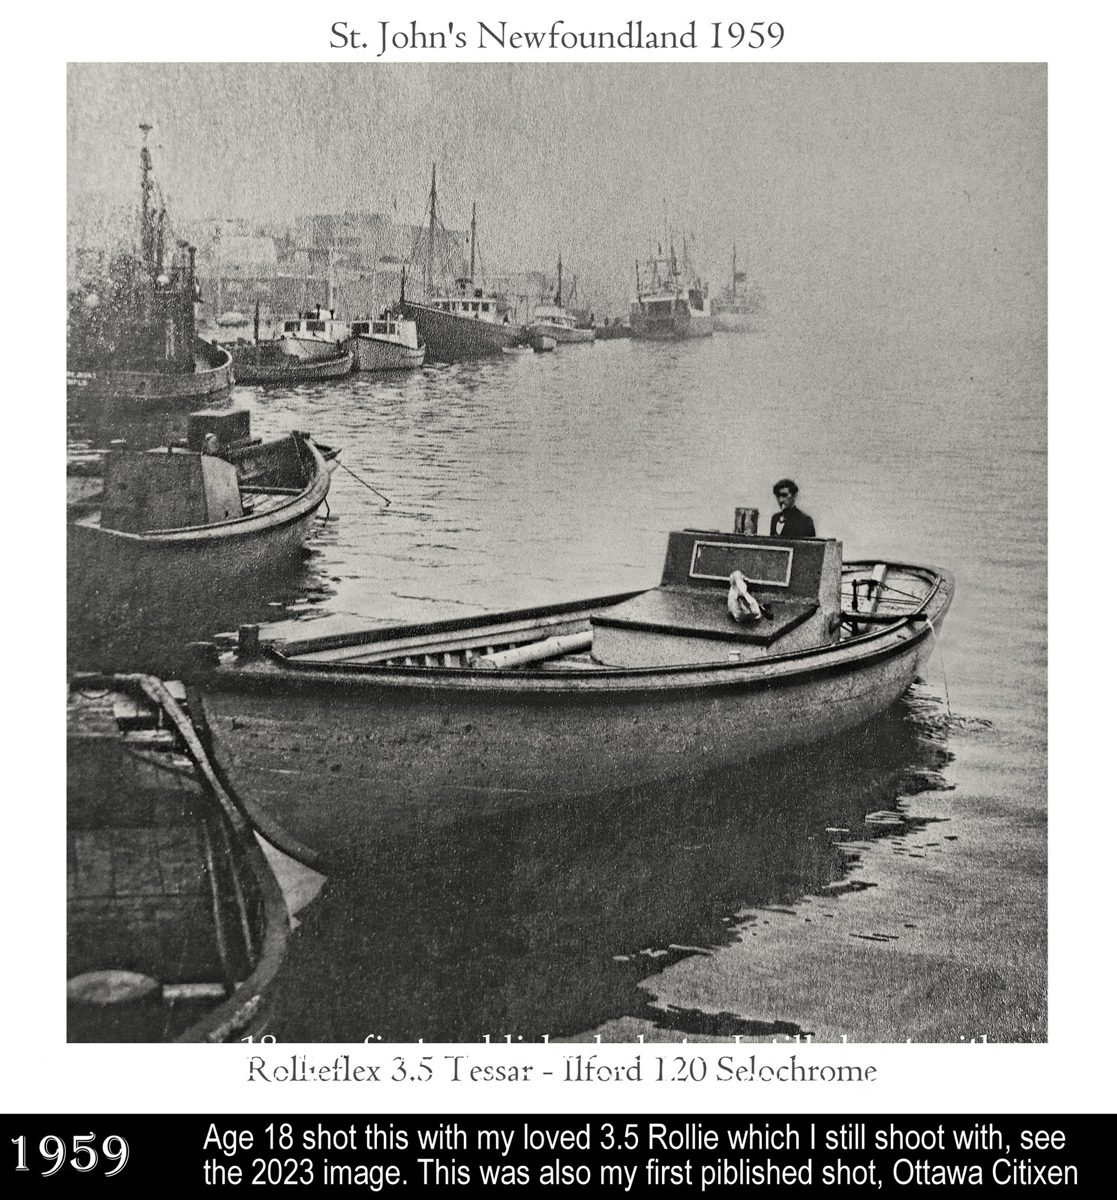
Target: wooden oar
553, 647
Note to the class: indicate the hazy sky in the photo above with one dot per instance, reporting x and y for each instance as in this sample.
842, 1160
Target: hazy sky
840, 183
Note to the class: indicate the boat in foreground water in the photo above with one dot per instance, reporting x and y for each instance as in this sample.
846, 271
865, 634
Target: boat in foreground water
176, 924
197, 520
338, 739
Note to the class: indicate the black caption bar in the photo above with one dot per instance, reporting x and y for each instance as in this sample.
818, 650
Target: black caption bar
620, 1154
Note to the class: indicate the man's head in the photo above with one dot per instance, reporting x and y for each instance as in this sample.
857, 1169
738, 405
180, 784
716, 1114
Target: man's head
785, 492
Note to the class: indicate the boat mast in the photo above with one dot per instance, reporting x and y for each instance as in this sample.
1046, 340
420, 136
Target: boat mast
558, 293
473, 243
733, 285
429, 279
147, 215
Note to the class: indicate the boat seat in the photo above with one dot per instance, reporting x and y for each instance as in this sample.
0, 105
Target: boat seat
702, 612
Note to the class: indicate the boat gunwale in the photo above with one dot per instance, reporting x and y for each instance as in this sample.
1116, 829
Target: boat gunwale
273, 666
293, 509
235, 1014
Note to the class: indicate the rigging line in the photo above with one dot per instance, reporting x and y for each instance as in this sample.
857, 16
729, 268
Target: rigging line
387, 502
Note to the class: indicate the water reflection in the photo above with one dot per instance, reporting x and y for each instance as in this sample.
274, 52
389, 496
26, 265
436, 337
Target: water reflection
546, 921
145, 630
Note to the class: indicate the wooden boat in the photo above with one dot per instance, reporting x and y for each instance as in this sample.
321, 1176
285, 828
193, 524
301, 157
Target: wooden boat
206, 518
336, 740
175, 923
669, 304
389, 344
131, 336
554, 321
270, 362
314, 335
461, 322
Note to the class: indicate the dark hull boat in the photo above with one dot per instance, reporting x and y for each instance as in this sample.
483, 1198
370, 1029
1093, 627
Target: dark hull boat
268, 363
337, 741
131, 334
176, 924
178, 523
210, 379
454, 336
461, 321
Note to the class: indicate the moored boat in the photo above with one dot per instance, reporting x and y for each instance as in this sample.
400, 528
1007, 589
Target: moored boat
269, 362
554, 321
461, 321
388, 344
732, 306
209, 518
176, 925
669, 304
132, 335
314, 335
336, 740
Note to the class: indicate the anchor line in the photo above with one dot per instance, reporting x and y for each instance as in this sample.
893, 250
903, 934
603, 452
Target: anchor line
364, 482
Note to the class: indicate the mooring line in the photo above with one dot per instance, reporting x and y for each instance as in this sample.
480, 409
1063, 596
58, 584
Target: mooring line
387, 502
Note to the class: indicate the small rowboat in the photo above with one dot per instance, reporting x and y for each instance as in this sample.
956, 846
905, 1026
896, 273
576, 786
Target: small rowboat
267, 362
176, 924
337, 740
179, 523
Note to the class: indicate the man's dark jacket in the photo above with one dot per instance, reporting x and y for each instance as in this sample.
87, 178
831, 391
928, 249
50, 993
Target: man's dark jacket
796, 524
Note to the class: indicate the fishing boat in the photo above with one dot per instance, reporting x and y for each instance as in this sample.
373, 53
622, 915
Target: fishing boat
732, 306
338, 739
313, 335
132, 336
203, 518
175, 923
670, 303
462, 321
554, 321
270, 362
388, 344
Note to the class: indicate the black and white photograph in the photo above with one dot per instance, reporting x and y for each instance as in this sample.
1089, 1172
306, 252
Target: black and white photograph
562, 584
556, 551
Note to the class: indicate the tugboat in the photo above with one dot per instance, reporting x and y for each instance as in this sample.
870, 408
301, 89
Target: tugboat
132, 336
461, 322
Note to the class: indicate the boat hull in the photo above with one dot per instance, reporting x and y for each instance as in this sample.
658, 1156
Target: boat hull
211, 379
309, 349
118, 575
730, 322
380, 354
176, 925
329, 762
450, 337
563, 334
297, 370
677, 327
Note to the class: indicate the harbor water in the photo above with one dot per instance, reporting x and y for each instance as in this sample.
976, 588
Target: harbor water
888, 886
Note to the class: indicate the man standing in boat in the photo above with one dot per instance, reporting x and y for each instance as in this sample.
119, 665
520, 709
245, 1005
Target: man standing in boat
789, 522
